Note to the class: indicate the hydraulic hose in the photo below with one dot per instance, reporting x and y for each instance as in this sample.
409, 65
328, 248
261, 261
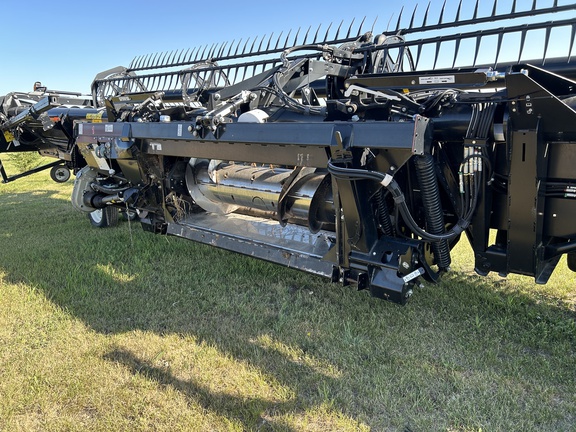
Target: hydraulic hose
393, 187
426, 174
384, 214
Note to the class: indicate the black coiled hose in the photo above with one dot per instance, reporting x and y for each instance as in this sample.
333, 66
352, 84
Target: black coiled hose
384, 213
426, 174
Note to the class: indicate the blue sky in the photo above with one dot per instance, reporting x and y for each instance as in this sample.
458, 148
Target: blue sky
65, 43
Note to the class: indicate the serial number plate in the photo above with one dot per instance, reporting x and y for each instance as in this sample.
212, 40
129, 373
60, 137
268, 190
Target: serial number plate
440, 79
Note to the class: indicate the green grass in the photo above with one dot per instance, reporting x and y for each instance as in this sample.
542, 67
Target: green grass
118, 329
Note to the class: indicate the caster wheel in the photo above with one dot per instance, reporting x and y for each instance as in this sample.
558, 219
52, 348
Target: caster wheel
60, 174
104, 218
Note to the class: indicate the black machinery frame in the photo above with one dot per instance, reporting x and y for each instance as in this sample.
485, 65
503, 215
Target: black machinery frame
343, 156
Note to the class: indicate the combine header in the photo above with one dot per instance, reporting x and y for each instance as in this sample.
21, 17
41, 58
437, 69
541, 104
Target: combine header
358, 155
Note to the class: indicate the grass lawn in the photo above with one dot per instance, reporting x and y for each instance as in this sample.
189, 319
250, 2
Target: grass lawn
118, 329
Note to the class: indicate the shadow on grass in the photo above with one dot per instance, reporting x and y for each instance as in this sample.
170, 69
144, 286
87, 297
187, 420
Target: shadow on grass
248, 411
11, 198
120, 280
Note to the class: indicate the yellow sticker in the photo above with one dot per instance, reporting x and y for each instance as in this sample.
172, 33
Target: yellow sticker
95, 117
8, 136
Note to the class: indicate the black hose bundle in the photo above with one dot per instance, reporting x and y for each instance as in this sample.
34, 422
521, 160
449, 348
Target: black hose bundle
386, 180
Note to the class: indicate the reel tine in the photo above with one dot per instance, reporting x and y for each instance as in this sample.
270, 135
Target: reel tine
230, 49
170, 58
206, 53
158, 60
139, 63
228, 72
269, 41
522, 41
173, 60
162, 62
212, 51
350, 28
217, 51
534, 5
546, 43
144, 60
495, 8
237, 47
327, 31
165, 59
458, 11
306, 35
477, 51
572, 37
456, 51
195, 53
286, 40
498, 48
425, 21
151, 60
252, 46
418, 54
146, 82
436, 54
338, 29
176, 58
316, 34
387, 30
278, 40
260, 45
245, 45
133, 62
191, 54
296, 37
182, 56
222, 48
441, 17
360, 28
513, 7
400, 19
198, 55
154, 61
475, 11
411, 26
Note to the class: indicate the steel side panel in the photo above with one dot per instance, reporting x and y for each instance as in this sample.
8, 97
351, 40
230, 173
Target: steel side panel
522, 199
292, 246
